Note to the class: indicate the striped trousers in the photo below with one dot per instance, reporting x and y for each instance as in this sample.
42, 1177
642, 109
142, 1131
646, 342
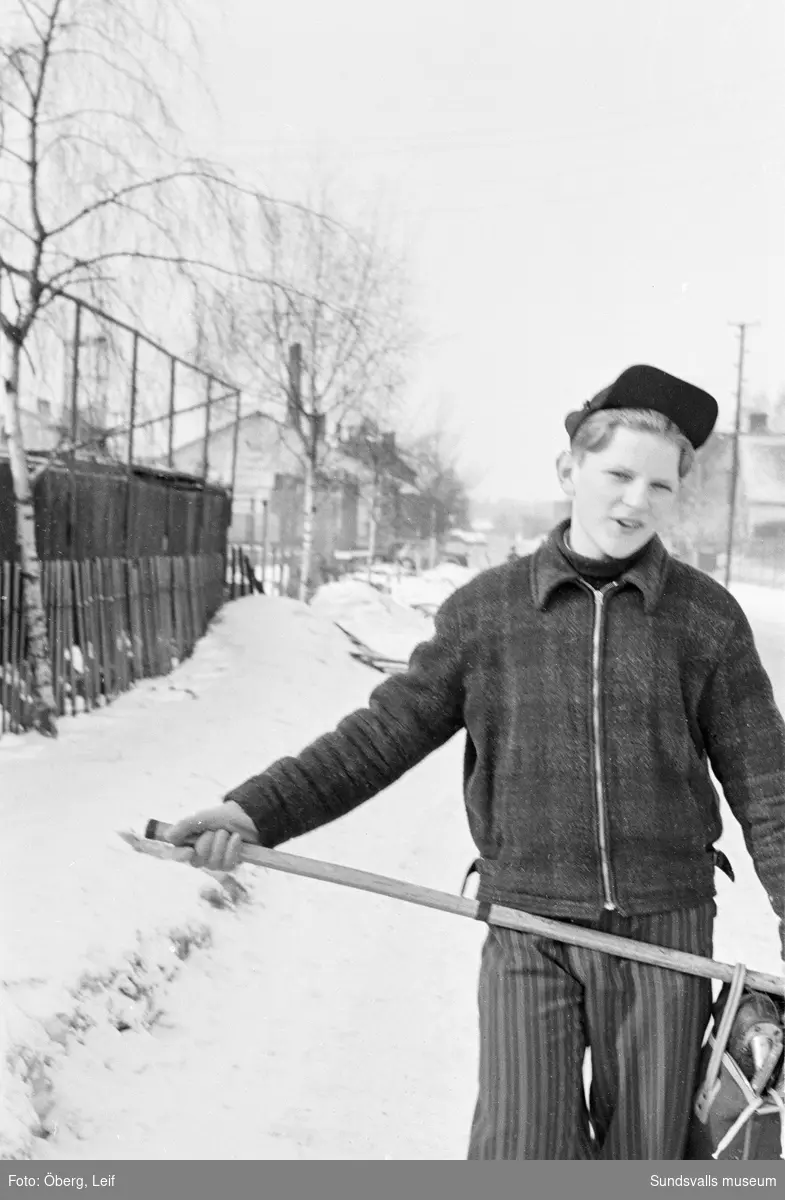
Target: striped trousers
542, 1004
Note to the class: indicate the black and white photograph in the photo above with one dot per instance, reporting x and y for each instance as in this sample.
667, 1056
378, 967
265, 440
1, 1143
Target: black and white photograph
392, 590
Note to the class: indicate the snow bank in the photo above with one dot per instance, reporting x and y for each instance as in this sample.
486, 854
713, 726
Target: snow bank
91, 933
392, 614
430, 589
388, 628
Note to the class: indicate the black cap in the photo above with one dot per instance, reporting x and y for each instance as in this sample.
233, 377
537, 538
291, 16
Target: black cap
693, 410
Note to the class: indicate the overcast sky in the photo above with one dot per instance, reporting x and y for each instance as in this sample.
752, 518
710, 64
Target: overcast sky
581, 185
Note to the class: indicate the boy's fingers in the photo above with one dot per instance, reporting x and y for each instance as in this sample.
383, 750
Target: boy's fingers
215, 844
217, 850
192, 827
226, 816
232, 852
204, 855
201, 850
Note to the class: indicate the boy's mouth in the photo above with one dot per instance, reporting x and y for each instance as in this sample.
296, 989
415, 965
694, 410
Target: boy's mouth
628, 524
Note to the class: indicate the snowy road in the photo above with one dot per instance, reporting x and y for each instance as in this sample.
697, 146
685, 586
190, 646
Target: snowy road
321, 1023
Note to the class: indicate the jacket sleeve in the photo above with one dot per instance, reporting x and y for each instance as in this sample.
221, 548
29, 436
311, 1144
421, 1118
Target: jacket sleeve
408, 716
745, 739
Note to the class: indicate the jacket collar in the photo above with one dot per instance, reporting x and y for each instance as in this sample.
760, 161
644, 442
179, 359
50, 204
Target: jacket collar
550, 570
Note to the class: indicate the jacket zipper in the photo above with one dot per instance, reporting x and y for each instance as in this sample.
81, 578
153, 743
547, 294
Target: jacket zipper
599, 780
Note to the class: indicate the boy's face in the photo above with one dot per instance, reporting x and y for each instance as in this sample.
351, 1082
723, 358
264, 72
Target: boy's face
622, 495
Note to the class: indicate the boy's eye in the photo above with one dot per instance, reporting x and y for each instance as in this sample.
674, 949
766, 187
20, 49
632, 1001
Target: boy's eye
663, 487
620, 474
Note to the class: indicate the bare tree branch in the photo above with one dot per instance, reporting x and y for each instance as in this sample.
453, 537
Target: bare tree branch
16, 228
25, 162
121, 193
13, 58
39, 33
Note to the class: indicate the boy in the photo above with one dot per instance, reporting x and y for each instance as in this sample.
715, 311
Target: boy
596, 680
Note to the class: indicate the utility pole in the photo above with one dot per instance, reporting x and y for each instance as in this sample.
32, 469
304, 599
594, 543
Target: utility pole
742, 327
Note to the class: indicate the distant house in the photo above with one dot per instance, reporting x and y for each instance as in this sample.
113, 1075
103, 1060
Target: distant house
701, 534
267, 483
268, 487
760, 487
388, 496
263, 451
761, 496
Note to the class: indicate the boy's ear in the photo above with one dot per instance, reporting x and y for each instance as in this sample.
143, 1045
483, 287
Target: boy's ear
565, 466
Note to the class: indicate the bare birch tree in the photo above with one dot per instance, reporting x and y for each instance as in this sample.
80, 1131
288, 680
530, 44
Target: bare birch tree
328, 341
95, 192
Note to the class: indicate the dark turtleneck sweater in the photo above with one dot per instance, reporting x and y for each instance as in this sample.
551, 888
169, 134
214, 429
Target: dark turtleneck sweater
597, 572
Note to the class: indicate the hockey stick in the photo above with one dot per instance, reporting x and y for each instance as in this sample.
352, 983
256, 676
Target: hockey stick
155, 843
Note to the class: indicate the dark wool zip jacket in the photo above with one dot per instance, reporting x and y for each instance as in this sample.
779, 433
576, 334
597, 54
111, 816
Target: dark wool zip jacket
591, 719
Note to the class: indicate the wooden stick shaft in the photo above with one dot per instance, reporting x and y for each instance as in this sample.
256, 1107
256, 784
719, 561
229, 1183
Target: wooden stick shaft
507, 918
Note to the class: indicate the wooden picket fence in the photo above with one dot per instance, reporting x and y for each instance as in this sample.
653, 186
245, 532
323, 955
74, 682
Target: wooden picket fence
110, 622
242, 578
254, 566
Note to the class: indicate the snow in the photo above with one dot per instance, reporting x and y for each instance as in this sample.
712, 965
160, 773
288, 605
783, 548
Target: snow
431, 588
763, 604
389, 628
392, 612
144, 1015
95, 937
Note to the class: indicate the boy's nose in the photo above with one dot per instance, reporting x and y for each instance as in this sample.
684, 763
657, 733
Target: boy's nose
635, 494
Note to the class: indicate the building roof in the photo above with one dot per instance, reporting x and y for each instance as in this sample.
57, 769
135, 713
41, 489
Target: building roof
251, 418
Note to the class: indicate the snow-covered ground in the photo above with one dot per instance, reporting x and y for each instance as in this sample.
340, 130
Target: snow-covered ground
393, 611
373, 617
140, 1019
429, 589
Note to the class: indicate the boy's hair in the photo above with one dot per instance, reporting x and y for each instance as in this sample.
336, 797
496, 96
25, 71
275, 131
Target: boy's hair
596, 431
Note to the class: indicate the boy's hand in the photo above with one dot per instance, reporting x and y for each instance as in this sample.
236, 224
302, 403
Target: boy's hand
216, 834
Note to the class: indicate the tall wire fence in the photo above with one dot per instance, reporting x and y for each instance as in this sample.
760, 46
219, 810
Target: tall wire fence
95, 387
133, 553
